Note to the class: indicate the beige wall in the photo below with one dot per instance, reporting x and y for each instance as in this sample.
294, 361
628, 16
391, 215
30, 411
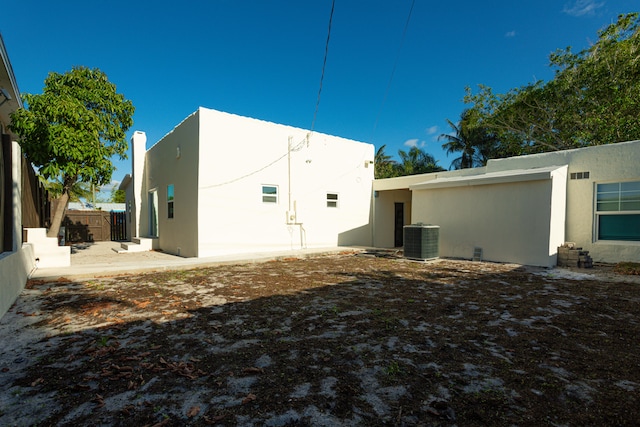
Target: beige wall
384, 215
605, 163
572, 205
389, 191
511, 221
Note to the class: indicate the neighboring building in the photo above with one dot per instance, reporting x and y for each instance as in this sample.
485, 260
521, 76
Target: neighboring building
520, 209
100, 206
220, 183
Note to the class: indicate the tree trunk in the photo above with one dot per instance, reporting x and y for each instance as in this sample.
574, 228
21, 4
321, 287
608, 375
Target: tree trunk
58, 214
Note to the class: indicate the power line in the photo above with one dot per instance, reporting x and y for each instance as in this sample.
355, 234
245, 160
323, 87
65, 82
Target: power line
315, 114
324, 65
296, 147
395, 65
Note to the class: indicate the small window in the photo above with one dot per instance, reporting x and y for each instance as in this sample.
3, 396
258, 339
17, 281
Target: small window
170, 201
618, 211
332, 200
269, 194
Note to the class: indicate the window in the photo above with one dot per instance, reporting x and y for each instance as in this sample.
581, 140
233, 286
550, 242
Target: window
269, 194
170, 201
618, 211
332, 200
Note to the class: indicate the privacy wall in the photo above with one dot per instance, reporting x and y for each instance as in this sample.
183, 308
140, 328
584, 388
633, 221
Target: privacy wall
516, 217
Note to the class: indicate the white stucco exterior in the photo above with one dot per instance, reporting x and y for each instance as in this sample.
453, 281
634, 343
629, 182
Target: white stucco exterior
217, 165
18, 260
518, 209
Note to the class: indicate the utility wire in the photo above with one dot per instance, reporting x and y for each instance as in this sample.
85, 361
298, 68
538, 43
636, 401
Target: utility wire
395, 65
324, 65
315, 114
296, 147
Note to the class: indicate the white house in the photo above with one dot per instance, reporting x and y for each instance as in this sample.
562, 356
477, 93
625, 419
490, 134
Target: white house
220, 183
520, 209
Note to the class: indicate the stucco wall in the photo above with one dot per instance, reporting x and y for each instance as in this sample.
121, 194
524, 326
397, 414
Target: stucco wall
384, 215
243, 154
174, 160
605, 163
511, 222
14, 270
389, 191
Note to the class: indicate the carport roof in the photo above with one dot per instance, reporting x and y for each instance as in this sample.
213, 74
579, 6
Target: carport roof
500, 177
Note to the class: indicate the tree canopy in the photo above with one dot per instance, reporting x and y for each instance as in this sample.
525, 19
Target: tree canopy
71, 131
475, 143
593, 99
413, 162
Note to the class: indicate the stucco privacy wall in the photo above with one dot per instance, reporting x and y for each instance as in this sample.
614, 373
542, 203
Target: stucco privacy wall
605, 163
17, 264
174, 160
239, 155
508, 216
14, 270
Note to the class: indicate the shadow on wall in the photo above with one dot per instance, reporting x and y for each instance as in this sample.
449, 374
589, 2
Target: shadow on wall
360, 236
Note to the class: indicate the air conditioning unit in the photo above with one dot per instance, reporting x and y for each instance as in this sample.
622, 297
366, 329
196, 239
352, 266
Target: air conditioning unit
421, 241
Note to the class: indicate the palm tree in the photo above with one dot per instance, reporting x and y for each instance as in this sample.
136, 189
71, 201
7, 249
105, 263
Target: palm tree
476, 144
417, 161
385, 167
79, 190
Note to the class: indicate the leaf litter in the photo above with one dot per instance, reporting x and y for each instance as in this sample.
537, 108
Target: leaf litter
348, 339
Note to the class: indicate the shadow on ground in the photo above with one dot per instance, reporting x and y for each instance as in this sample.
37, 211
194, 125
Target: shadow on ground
332, 340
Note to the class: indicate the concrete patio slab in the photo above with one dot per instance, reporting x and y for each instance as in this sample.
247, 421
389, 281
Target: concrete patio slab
99, 259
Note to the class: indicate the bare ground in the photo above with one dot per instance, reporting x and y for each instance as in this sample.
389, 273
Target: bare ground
350, 339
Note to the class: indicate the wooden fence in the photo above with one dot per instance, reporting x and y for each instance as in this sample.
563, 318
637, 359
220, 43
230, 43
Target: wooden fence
87, 226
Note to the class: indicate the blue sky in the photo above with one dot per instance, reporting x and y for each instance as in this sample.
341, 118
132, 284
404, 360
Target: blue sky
263, 58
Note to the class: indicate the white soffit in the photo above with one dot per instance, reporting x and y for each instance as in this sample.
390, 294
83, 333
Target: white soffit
502, 177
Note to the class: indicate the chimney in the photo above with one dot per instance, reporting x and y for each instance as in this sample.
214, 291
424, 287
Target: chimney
138, 152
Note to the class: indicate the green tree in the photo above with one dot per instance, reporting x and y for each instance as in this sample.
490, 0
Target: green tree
79, 190
71, 131
475, 143
118, 196
416, 161
593, 99
385, 167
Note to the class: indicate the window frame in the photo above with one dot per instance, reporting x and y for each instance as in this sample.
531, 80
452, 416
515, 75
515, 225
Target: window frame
270, 198
331, 201
602, 198
170, 201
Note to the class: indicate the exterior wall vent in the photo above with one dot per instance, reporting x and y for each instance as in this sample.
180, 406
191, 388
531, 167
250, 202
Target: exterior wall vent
421, 242
579, 175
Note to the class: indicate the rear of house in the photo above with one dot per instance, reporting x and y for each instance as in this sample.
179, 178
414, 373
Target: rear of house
521, 209
219, 183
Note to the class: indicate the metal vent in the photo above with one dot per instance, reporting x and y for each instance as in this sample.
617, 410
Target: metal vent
421, 241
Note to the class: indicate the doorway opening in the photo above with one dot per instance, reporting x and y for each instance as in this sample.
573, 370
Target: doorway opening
398, 239
153, 213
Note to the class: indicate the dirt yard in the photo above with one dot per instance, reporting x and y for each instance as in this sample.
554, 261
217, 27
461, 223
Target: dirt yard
340, 340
